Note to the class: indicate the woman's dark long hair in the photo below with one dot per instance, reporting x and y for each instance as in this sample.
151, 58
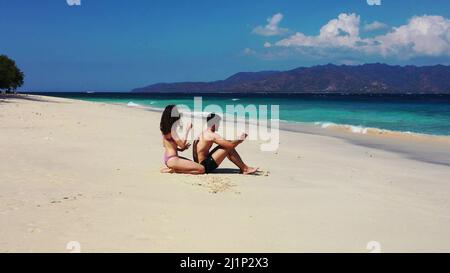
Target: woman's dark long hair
169, 116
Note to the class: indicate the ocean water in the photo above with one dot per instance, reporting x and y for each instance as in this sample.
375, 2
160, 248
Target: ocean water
424, 114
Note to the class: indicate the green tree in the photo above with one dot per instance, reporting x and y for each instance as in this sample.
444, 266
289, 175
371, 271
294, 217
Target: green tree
11, 77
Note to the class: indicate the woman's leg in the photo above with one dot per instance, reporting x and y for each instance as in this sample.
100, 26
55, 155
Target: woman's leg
166, 170
181, 165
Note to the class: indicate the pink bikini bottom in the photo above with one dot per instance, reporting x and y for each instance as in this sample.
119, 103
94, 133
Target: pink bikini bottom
166, 158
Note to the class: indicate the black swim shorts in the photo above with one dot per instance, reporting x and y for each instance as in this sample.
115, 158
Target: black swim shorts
210, 164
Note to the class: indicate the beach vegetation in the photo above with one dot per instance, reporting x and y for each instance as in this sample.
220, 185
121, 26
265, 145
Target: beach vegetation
11, 77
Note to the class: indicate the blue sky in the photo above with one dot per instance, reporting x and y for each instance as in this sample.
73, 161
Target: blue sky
117, 45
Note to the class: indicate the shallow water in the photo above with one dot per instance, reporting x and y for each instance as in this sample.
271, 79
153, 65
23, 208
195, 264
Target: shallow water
426, 114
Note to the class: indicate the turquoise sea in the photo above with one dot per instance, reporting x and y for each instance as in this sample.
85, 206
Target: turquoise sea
425, 114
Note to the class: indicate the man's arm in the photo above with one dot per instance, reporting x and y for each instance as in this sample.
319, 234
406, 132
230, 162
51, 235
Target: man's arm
227, 144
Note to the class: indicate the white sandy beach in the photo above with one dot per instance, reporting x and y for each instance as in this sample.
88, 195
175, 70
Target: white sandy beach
89, 172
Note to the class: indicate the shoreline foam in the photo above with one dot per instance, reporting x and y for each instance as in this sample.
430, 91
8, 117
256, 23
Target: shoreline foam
356, 129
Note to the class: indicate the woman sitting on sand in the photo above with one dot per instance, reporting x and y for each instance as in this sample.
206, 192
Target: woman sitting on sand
172, 144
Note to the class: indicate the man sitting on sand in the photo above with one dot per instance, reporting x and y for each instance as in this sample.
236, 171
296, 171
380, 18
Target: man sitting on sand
225, 149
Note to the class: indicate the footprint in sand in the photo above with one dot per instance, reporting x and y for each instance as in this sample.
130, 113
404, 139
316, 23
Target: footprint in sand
216, 184
34, 230
67, 198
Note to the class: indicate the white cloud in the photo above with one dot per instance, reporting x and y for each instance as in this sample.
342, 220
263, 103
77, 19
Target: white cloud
267, 44
421, 36
272, 28
374, 2
343, 31
248, 51
374, 26
73, 2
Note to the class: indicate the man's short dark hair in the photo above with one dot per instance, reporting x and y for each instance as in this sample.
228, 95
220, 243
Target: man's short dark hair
212, 118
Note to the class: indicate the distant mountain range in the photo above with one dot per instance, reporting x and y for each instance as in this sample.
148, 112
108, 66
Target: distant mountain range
367, 78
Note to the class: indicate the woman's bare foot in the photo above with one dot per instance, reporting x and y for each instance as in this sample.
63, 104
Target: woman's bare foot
167, 170
249, 170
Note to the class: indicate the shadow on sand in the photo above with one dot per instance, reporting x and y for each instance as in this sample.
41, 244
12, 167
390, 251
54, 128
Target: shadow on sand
235, 171
5, 97
226, 171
